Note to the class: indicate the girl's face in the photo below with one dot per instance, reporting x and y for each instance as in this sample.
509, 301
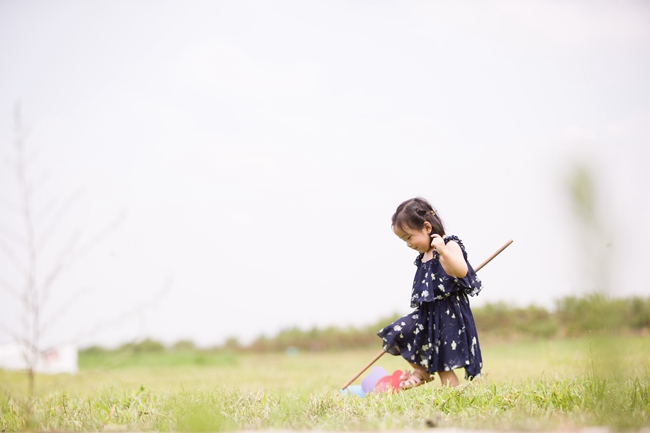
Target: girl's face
419, 240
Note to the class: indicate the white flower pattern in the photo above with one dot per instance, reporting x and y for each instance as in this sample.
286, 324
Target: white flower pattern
452, 344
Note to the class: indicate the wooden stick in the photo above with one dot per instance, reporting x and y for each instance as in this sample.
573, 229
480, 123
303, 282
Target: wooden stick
489, 259
382, 352
379, 355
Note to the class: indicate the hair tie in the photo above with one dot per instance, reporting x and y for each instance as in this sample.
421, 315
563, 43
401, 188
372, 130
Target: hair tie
432, 212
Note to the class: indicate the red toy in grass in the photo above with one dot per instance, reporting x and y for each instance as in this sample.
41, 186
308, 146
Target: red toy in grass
389, 383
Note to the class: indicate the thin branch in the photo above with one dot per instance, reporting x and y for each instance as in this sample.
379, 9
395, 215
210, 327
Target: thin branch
64, 308
126, 315
58, 217
9, 288
58, 267
99, 237
20, 130
73, 256
49, 281
31, 157
10, 205
25, 342
13, 257
14, 335
47, 209
8, 161
25, 320
10, 234
41, 180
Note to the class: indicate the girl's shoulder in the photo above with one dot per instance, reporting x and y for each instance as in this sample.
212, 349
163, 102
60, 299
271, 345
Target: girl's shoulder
456, 239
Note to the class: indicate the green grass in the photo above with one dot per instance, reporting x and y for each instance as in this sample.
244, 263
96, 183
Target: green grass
530, 385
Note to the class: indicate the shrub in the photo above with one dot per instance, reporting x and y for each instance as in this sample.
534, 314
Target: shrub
144, 346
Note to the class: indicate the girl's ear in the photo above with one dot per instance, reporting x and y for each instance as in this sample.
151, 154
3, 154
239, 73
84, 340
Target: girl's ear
427, 227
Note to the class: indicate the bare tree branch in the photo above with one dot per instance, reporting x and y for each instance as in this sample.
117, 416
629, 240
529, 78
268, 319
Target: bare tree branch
49, 281
68, 257
10, 205
22, 268
59, 267
99, 237
8, 161
20, 130
31, 157
10, 234
126, 315
9, 288
41, 180
58, 217
64, 308
14, 335
47, 209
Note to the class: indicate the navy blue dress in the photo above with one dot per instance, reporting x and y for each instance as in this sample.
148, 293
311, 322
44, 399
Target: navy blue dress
439, 334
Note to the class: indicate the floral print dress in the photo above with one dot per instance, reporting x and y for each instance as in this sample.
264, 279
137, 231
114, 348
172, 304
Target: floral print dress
439, 334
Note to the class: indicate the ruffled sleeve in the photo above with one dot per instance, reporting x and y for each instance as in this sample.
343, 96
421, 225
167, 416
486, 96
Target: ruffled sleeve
470, 283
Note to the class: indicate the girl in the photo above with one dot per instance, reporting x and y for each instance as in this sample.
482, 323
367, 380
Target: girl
439, 335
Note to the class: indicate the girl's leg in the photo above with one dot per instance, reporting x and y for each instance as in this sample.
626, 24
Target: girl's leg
448, 378
423, 371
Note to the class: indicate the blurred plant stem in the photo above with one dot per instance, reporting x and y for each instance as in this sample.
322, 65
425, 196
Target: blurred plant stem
594, 236
604, 355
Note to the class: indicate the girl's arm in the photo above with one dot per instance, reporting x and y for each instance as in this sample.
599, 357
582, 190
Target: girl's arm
451, 257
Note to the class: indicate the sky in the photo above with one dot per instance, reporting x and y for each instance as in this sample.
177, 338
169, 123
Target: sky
205, 170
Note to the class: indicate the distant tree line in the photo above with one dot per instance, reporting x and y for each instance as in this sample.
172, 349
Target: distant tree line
571, 317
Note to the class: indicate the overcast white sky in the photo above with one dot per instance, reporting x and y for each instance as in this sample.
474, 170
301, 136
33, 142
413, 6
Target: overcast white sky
259, 148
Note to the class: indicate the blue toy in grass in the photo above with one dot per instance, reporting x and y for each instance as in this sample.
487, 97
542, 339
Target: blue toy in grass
353, 390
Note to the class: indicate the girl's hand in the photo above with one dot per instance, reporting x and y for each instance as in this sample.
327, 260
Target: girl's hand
451, 256
438, 244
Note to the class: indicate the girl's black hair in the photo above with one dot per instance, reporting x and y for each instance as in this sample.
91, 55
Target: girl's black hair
414, 212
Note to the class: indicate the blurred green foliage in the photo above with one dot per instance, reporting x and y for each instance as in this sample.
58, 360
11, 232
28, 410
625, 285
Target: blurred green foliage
504, 321
571, 317
149, 353
593, 314
582, 191
597, 314
145, 346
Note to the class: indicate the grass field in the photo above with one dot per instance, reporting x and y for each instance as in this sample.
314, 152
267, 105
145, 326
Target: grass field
541, 385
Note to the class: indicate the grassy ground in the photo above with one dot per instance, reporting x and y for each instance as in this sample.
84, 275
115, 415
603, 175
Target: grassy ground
541, 385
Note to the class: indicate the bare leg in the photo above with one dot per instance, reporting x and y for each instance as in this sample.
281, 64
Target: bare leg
419, 376
421, 369
448, 378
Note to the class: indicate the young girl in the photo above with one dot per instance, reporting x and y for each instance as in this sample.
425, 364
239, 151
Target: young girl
439, 335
